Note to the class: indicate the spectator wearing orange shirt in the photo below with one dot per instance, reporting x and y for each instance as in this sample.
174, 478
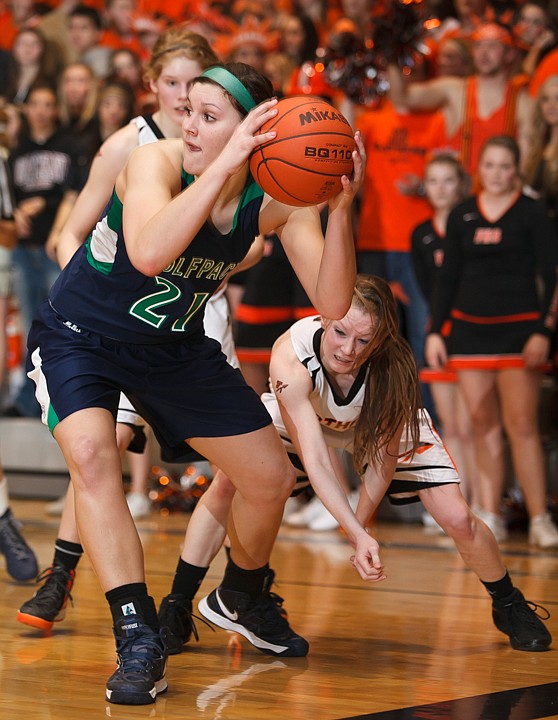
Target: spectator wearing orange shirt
489, 102
13, 17
120, 33
176, 11
392, 204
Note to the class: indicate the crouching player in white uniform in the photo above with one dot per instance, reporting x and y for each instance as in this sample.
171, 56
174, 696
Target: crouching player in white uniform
352, 383
320, 372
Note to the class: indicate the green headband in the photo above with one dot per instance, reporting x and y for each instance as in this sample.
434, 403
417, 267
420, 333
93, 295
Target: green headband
231, 84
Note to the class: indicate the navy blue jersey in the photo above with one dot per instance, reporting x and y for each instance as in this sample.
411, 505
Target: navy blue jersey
100, 290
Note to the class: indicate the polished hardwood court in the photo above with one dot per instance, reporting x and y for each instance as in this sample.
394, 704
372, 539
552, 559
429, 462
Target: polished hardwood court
419, 645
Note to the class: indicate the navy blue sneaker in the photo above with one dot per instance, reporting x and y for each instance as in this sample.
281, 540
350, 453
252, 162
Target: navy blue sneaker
21, 562
518, 619
142, 660
261, 621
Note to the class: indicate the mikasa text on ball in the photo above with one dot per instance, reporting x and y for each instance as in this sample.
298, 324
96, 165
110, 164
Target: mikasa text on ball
312, 150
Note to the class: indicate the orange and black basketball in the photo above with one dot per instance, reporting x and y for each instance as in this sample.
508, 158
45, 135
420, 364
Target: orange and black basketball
313, 149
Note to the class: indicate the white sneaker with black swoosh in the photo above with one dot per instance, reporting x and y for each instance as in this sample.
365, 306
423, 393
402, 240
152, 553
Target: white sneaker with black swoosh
260, 621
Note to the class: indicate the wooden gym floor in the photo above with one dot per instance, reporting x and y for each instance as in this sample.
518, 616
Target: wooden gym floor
419, 645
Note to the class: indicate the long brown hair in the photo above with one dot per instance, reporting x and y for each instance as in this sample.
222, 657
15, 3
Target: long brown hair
392, 393
48, 69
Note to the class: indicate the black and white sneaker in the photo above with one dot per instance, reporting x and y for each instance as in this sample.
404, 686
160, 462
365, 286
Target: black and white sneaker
277, 599
48, 604
175, 614
142, 660
518, 619
260, 621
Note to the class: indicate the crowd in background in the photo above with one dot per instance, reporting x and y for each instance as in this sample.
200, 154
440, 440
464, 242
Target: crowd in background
72, 74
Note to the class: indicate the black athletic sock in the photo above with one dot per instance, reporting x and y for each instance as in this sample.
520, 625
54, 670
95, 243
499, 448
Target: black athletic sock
67, 554
501, 588
246, 581
135, 595
187, 579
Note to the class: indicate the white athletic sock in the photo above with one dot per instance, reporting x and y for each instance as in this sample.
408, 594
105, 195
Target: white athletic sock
4, 501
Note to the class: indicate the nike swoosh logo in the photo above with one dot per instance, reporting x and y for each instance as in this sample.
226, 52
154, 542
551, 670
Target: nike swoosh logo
226, 612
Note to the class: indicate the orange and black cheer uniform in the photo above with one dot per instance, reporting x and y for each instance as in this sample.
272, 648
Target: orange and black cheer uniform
427, 247
488, 283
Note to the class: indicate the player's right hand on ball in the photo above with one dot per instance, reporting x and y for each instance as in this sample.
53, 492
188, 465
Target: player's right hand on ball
351, 185
247, 136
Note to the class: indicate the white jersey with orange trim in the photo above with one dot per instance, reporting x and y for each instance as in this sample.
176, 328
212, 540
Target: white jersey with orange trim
336, 415
430, 463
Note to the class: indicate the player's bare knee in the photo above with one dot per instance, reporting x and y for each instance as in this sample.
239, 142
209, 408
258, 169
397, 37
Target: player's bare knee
222, 487
288, 476
461, 525
87, 457
277, 485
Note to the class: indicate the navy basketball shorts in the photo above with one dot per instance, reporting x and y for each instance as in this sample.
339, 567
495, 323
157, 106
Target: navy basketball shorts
182, 389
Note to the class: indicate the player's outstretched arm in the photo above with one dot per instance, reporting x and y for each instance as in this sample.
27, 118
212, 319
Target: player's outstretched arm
377, 477
292, 386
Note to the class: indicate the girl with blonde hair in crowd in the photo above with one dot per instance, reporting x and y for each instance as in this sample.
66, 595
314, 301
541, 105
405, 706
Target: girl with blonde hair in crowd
541, 166
445, 185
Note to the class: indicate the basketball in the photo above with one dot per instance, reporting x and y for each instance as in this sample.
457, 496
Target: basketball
312, 150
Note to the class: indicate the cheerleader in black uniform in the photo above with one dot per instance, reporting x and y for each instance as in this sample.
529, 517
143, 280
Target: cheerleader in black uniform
499, 245
445, 186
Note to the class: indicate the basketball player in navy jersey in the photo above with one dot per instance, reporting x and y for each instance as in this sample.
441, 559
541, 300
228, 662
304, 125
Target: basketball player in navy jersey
126, 315
178, 56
